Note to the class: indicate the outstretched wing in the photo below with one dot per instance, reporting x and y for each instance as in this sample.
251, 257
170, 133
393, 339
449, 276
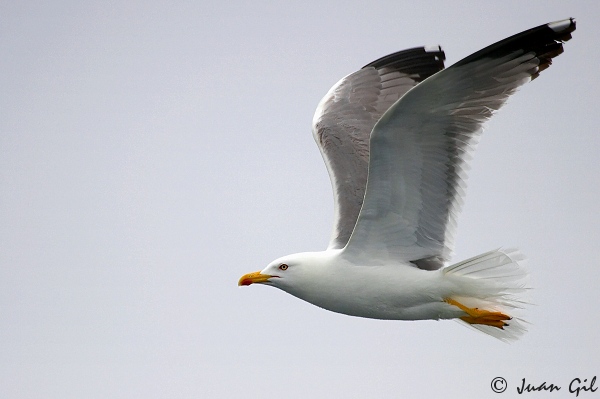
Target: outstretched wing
420, 146
345, 117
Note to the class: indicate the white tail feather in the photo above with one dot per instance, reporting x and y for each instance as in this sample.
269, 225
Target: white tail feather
494, 281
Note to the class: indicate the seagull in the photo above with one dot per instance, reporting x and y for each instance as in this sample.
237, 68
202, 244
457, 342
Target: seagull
396, 137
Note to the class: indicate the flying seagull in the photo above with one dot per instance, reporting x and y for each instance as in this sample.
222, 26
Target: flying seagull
396, 137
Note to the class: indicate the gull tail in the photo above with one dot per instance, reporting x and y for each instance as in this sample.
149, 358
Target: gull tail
492, 291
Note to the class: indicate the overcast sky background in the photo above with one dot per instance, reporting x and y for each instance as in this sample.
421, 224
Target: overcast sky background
153, 152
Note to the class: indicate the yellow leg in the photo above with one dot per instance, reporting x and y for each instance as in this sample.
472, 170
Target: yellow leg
478, 316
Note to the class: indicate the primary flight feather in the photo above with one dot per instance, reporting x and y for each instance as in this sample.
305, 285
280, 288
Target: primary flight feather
396, 136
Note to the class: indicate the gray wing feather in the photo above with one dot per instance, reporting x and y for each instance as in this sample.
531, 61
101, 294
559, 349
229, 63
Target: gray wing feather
420, 146
345, 117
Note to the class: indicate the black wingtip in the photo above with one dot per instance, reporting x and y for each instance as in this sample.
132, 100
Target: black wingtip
424, 61
544, 40
564, 27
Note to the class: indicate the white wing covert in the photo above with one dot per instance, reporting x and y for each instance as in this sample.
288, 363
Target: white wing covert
345, 118
420, 146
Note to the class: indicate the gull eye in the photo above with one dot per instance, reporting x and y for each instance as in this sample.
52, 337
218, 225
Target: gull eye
283, 266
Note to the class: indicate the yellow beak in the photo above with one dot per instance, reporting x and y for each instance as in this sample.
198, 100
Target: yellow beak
252, 278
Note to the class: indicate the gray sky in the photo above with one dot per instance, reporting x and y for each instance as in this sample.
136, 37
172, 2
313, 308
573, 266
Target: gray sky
153, 152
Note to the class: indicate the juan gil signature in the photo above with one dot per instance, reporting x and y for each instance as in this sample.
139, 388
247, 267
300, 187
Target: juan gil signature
576, 386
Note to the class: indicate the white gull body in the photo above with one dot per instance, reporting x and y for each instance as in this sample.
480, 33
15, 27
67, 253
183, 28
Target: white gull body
396, 136
383, 290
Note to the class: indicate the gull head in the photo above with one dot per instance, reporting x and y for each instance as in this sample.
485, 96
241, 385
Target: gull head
292, 272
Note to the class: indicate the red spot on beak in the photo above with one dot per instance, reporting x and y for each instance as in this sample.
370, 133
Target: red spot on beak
246, 281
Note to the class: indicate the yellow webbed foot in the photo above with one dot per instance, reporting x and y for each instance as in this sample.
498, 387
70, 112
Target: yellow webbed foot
479, 316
